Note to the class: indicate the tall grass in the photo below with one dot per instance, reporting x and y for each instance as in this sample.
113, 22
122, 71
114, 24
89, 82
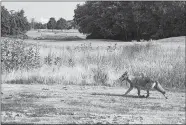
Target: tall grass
90, 65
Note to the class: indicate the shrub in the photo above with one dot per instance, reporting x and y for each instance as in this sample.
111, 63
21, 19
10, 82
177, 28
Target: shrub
16, 54
100, 77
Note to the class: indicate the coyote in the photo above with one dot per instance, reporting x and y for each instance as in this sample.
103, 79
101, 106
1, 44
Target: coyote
142, 82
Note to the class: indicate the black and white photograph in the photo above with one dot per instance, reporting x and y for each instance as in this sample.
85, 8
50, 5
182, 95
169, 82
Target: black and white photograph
93, 62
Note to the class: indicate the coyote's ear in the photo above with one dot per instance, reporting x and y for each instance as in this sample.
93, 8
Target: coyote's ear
126, 72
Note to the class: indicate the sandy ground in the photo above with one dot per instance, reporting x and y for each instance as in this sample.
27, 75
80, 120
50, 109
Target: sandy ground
88, 104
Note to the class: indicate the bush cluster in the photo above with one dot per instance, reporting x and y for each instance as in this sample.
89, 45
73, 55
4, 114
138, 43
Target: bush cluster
18, 55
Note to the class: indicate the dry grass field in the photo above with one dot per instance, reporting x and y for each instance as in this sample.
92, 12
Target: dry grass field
76, 81
65, 104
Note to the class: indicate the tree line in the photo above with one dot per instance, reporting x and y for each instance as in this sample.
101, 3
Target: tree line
61, 24
131, 20
15, 23
53, 24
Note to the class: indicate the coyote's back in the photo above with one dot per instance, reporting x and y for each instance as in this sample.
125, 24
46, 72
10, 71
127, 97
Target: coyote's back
144, 83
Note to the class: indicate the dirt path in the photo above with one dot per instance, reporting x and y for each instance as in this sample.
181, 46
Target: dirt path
88, 104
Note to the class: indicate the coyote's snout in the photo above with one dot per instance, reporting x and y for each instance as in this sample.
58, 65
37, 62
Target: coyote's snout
142, 82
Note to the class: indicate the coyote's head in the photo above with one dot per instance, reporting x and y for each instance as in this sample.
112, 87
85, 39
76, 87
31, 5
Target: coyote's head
124, 76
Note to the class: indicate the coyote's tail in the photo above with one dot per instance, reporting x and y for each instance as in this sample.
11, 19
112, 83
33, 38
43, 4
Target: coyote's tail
159, 88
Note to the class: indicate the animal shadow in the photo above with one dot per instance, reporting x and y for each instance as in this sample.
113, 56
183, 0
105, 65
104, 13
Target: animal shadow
111, 94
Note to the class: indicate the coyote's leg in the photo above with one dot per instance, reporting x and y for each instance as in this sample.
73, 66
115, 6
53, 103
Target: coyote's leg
138, 92
140, 96
147, 94
128, 90
159, 88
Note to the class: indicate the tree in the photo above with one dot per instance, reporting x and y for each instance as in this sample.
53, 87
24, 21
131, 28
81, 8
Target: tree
131, 20
44, 26
61, 24
13, 23
32, 23
21, 21
5, 21
71, 24
39, 25
51, 23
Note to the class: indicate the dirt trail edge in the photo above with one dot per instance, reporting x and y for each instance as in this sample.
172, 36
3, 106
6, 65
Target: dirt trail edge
88, 104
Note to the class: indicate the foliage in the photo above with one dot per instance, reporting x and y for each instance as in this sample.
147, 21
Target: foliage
5, 23
18, 55
39, 25
71, 24
51, 23
131, 20
13, 23
61, 24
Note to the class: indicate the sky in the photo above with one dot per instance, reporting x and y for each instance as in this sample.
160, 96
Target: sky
42, 11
